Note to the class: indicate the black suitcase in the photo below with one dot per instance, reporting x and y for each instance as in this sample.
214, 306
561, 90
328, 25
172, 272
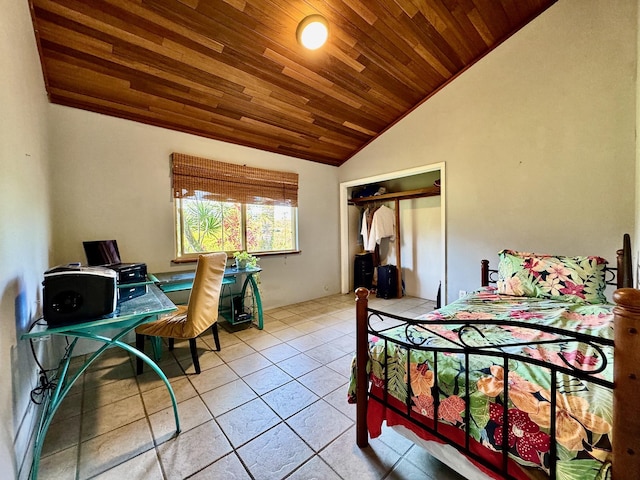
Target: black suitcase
387, 281
363, 271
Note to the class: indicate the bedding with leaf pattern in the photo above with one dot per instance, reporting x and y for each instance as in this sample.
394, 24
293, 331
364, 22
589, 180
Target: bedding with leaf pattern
583, 407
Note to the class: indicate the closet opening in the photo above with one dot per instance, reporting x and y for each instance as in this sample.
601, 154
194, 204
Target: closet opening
416, 198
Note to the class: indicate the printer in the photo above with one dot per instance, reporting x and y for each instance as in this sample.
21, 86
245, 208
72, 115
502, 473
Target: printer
105, 253
73, 293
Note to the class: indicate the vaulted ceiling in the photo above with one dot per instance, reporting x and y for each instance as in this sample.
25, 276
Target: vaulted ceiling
232, 70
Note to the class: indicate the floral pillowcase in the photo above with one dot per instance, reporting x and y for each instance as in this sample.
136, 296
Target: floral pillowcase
571, 279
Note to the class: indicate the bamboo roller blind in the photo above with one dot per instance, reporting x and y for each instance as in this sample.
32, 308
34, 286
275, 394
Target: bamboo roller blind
229, 182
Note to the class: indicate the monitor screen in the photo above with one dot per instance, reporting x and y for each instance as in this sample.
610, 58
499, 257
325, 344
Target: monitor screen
101, 252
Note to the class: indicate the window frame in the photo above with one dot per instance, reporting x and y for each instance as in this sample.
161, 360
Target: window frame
193, 257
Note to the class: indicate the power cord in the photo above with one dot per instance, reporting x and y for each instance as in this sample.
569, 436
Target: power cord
45, 383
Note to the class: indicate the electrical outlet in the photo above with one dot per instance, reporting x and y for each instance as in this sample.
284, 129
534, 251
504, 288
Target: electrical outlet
462, 293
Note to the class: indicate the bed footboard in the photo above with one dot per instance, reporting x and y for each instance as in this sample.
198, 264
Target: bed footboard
626, 400
362, 357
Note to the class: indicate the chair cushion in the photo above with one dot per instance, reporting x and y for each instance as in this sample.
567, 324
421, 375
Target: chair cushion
171, 325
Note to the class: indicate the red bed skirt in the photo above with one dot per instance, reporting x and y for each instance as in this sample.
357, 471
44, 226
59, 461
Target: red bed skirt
377, 413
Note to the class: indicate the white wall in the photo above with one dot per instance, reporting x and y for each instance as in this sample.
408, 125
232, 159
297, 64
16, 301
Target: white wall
25, 229
421, 246
111, 179
538, 140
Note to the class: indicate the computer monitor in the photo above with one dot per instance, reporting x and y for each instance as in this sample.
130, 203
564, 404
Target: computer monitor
102, 252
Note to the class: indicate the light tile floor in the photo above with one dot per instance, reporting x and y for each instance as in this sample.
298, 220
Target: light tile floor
270, 405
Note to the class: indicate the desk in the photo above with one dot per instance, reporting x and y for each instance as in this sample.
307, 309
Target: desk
127, 317
176, 281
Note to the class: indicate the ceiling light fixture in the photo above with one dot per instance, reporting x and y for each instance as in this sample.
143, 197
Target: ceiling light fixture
312, 32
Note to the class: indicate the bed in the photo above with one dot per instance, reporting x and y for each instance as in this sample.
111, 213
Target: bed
519, 374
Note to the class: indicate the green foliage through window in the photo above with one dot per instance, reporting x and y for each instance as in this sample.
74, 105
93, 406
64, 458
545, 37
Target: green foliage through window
205, 225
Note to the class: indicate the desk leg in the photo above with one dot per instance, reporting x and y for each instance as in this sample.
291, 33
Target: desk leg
256, 294
51, 407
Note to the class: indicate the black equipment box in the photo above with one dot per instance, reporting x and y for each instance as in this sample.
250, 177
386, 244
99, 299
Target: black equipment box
127, 293
130, 272
73, 294
363, 270
387, 281
240, 314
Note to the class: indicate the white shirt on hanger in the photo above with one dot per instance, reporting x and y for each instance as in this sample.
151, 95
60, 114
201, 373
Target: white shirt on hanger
364, 230
383, 225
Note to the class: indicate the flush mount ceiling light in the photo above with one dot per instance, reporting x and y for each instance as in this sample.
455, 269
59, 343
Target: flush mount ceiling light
312, 32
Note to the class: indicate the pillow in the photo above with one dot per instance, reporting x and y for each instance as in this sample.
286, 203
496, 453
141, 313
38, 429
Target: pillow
571, 279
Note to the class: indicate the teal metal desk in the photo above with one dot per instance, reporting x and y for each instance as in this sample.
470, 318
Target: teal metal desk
127, 317
177, 281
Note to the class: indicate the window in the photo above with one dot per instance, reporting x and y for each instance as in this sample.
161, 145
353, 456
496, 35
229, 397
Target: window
228, 207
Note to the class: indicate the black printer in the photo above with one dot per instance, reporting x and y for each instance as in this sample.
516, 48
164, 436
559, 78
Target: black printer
73, 293
105, 253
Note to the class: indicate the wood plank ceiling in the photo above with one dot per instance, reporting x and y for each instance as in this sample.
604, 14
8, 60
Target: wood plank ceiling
232, 70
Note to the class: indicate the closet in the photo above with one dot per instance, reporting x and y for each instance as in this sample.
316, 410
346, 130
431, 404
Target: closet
396, 198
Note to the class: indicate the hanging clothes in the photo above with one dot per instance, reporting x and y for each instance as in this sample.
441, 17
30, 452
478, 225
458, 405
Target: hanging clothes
364, 229
383, 225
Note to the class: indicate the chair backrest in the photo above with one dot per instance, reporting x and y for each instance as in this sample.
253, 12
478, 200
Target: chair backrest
205, 293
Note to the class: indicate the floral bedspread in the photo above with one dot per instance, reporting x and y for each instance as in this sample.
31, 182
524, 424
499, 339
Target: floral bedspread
583, 408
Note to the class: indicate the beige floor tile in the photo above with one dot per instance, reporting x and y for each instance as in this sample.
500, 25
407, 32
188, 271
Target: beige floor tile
60, 465
273, 325
342, 365
193, 450
112, 392
322, 380
62, 434
247, 421
311, 325
107, 374
275, 454
227, 397
249, 364
110, 417
312, 424
191, 412
264, 341
350, 461
338, 399
289, 333
212, 378
315, 469
227, 468
289, 399
70, 406
159, 398
304, 343
103, 452
279, 352
299, 365
206, 358
267, 379
280, 313
144, 466
150, 379
235, 352
324, 353
432, 467
248, 333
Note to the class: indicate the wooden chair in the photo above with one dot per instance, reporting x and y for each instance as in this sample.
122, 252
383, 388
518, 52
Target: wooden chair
192, 319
